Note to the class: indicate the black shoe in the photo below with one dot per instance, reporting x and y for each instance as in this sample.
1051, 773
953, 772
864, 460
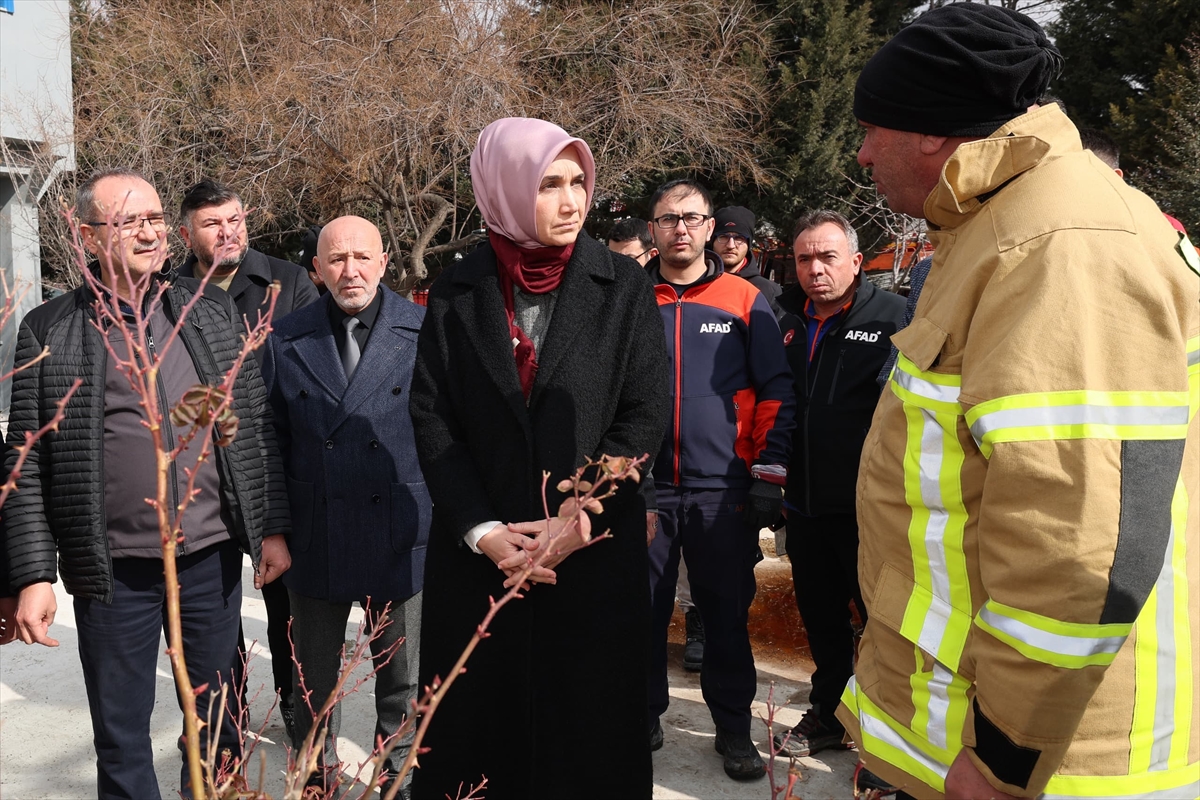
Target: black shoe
656, 736
742, 761
866, 781
287, 712
810, 735
693, 648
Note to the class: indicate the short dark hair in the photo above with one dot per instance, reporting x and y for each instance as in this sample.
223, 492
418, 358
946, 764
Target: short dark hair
821, 216
683, 187
626, 230
85, 193
204, 194
1102, 145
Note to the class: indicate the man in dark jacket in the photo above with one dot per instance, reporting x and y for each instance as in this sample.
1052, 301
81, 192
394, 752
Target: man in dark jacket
81, 495
213, 225
836, 330
733, 241
338, 374
721, 470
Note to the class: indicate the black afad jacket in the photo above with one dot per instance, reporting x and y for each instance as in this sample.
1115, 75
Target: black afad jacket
836, 398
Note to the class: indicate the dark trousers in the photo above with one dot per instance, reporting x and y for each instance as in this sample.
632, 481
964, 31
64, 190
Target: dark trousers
824, 555
319, 634
721, 554
119, 643
279, 611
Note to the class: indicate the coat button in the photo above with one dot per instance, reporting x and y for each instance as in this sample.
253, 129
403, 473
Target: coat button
303, 393
396, 390
374, 445
329, 444
375, 498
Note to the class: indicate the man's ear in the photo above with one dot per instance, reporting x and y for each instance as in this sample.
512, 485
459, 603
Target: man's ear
88, 234
858, 259
186, 235
931, 145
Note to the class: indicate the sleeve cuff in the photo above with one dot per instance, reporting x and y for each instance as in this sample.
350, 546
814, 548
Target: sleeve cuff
475, 534
771, 473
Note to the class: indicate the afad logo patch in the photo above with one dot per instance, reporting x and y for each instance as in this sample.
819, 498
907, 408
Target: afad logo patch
716, 327
863, 336
787, 337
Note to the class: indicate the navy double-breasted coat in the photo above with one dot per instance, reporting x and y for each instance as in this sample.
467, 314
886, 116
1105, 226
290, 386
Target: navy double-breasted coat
360, 509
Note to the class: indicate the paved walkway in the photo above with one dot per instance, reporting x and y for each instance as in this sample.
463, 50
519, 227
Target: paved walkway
46, 749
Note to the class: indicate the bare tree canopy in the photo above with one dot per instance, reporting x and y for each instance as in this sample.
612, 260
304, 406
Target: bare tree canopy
312, 109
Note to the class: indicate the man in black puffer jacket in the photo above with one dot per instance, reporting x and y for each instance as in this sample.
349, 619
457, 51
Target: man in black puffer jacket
81, 495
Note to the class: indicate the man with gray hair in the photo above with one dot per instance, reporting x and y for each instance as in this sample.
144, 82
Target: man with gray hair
836, 331
80, 511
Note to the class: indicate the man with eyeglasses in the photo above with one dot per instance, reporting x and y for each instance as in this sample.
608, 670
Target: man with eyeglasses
213, 225
720, 474
80, 506
733, 241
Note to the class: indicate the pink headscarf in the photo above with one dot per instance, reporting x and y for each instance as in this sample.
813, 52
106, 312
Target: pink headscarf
507, 167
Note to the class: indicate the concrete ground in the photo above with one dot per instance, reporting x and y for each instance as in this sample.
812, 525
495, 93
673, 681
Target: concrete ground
45, 732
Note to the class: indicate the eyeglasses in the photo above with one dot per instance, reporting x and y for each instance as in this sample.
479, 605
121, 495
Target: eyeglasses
692, 220
135, 224
730, 237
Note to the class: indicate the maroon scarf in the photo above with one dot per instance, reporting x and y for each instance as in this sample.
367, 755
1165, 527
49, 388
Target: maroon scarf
534, 271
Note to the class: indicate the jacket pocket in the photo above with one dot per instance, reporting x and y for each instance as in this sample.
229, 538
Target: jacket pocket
920, 616
921, 343
412, 510
300, 499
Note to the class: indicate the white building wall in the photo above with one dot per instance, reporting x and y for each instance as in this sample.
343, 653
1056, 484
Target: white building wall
35, 117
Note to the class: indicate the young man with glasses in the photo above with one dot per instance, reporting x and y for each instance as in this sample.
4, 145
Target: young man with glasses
720, 473
80, 508
733, 241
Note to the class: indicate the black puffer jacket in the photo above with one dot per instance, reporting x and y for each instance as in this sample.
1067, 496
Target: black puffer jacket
59, 502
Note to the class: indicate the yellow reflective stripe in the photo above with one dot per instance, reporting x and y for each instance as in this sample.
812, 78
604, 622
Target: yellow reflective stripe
1184, 712
933, 461
885, 738
940, 703
1080, 414
932, 390
1172, 784
1063, 644
1163, 695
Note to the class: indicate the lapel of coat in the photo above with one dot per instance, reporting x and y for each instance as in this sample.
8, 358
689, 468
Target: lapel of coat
482, 315
577, 308
393, 339
317, 350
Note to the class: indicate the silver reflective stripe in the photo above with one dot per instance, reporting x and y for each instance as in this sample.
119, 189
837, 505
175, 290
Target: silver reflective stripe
1053, 642
1164, 625
939, 704
924, 388
1039, 416
880, 730
1193, 358
1174, 793
933, 629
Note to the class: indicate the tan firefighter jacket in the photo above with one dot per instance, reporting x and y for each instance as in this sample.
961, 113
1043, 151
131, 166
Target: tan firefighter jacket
1027, 496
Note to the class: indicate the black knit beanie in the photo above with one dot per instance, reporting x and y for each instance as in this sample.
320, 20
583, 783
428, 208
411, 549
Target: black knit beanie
964, 69
735, 219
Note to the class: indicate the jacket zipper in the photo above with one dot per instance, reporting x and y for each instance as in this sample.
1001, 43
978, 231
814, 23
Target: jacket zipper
168, 433
678, 381
837, 370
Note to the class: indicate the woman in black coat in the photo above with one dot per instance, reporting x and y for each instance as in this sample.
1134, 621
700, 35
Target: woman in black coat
540, 350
